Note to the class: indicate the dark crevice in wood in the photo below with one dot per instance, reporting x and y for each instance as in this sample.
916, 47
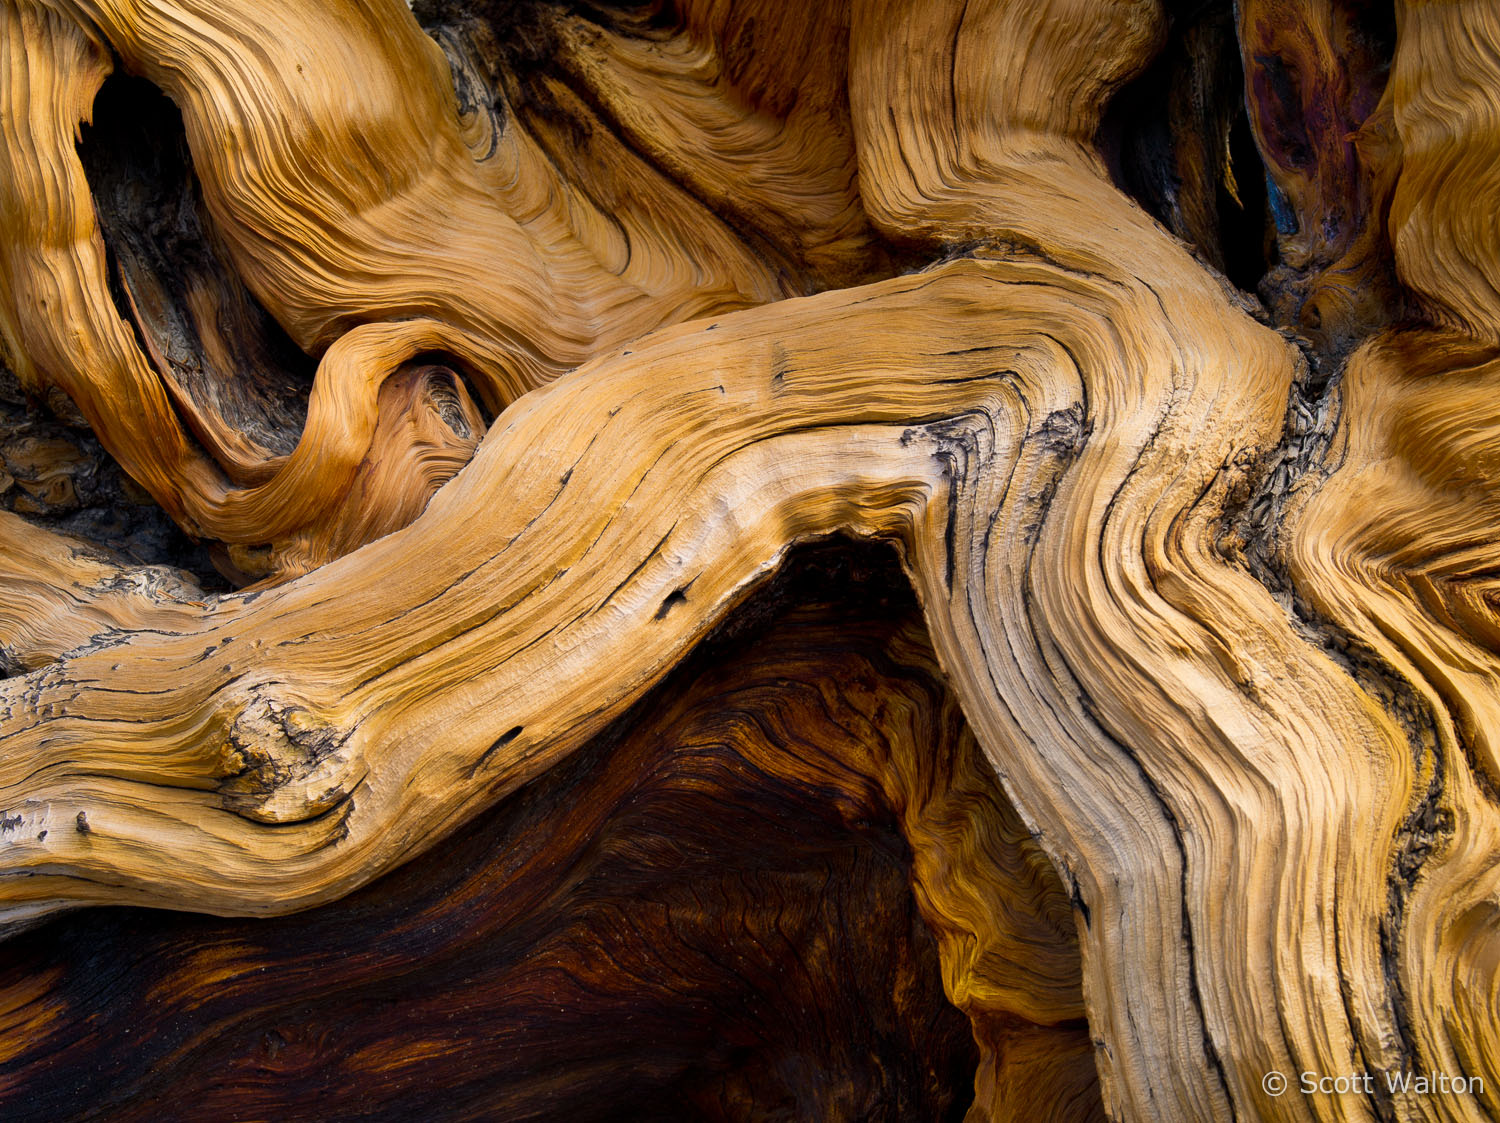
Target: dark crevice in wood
1178, 141
1314, 77
54, 472
174, 281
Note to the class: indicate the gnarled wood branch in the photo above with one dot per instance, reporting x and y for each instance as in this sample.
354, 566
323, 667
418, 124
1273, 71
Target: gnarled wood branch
1220, 622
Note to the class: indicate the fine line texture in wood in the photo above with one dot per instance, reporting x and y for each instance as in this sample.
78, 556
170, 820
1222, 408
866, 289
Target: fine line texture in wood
501, 353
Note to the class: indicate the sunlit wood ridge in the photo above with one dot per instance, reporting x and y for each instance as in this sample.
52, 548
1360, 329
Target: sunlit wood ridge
609, 309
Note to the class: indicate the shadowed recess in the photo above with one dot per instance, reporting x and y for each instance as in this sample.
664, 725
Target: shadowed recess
233, 373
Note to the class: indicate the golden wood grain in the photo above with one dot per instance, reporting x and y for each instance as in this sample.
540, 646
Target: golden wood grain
1221, 624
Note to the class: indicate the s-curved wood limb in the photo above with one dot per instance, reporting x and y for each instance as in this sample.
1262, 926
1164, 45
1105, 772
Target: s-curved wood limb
1236, 680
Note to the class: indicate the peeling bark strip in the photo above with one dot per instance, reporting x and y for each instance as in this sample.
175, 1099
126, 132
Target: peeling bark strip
1219, 610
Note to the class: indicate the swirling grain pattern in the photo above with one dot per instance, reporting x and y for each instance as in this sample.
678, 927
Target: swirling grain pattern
1228, 655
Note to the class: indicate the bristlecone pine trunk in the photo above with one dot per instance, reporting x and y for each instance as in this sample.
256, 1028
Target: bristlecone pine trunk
750, 559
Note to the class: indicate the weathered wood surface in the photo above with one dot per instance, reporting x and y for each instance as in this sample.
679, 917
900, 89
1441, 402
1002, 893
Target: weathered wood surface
1216, 599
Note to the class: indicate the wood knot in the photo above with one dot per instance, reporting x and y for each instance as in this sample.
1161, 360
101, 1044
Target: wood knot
280, 762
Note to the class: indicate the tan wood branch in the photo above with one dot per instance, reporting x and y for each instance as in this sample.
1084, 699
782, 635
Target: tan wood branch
357, 773
57, 594
1274, 813
523, 277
